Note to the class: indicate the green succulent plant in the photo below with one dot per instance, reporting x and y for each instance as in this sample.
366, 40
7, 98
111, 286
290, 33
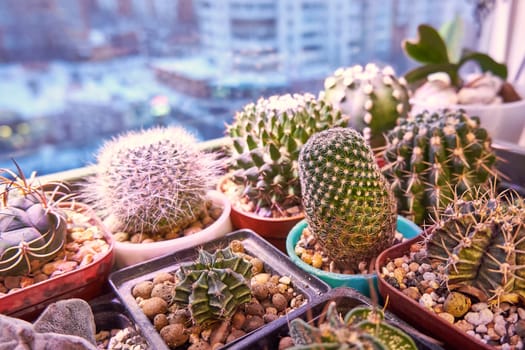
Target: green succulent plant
151, 181
349, 206
374, 98
430, 49
214, 286
266, 139
32, 227
481, 242
362, 328
431, 157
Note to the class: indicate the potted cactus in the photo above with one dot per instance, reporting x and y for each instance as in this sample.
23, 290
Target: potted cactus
437, 83
464, 282
262, 180
216, 294
374, 98
433, 157
51, 247
349, 207
154, 190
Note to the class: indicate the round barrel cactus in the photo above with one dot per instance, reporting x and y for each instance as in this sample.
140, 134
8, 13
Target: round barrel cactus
348, 203
373, 97
32, 229
433, 157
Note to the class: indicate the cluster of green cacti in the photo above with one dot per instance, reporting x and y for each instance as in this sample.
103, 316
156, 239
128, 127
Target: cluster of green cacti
431, 157
482, 244
374, 98
214, 285
348, 203
32, 229
362, 328
266, 139
151, 181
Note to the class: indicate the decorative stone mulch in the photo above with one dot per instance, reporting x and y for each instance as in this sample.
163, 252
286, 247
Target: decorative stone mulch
84, 244
125, 339
273, 296
208, 216
309, 251
502, 326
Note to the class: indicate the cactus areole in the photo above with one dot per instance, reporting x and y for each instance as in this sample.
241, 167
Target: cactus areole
32, 230
348, 203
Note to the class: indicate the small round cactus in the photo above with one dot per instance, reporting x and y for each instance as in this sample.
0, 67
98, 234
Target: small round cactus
348, 203
430, 157
363, 327
32, 228
374, 98
151, 181
266, 139
481, 242
214, 285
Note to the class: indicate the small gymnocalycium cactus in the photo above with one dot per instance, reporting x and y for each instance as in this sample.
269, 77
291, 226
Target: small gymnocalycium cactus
431, 157
151, 181
481, 242
363, 327
374, 98
214, 285
266, 139
32, 228
349, 206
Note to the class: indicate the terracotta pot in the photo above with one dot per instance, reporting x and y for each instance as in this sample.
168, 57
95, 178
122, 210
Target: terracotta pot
86, 282
273, 230
127, 253
360, 282
417, 315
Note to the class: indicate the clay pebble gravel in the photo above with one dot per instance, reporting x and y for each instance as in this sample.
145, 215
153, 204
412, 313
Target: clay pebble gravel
501, 326
127, 338
84, 244
273, 296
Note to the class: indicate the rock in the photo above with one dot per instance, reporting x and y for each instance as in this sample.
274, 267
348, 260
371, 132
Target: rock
70, 317
19, 334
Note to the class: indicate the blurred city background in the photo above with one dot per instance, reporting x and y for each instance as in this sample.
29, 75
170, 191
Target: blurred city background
74, 73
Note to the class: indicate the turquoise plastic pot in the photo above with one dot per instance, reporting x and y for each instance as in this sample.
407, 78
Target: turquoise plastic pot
359, 281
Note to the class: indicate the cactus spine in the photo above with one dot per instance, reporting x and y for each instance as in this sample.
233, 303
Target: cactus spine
151, 181
214, 286
433, 156
362, 328
372, 97
266, 139
32, 229
348, 204
482, 244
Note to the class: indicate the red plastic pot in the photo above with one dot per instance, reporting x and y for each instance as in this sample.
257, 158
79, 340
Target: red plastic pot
86, 282
415, 314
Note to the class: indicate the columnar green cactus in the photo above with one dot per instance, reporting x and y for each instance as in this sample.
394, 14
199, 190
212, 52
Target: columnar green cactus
151, 181
362, 328
266, 139
214, 286
432, 156
482, 244
372, 97
348, 203
32, 228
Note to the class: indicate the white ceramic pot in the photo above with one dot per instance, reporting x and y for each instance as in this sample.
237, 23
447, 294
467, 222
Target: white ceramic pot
504, 121
131, 253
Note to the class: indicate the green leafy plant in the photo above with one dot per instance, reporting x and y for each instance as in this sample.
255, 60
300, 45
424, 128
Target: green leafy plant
431, 50
363, 327
267, 137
